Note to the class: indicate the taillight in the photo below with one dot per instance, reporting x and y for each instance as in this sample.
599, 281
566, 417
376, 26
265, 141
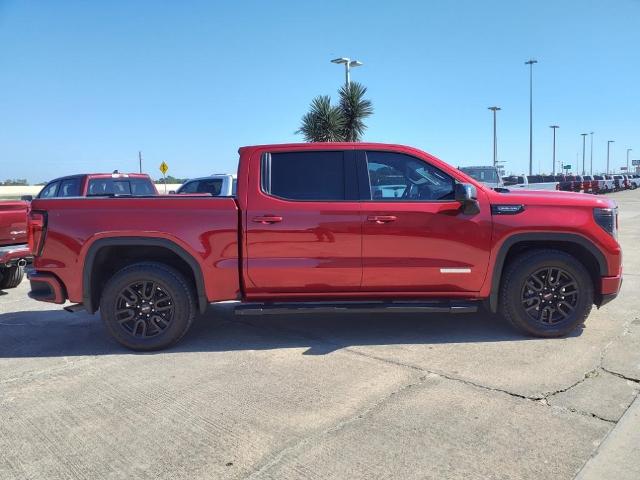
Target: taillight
37, 227
607, 218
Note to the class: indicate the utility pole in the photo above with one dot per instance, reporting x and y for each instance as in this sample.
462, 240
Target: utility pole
530, 62
554, 127
591, 168
628, 150
495, 137
140, 160
584, 137
609, 142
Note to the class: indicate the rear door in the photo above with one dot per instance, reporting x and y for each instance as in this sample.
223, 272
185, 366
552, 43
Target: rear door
415, 237
303, 224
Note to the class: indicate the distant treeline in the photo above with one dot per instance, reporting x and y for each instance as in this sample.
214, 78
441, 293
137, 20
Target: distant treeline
12, 182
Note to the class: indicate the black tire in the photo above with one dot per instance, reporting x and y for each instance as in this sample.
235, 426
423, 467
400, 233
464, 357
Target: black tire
11, 277
148, 306
540, 305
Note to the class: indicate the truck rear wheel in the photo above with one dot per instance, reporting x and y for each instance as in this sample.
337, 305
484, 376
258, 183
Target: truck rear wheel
546, 293
148, 306
11, 277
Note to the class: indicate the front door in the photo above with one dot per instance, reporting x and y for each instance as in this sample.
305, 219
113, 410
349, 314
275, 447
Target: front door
415, 236
303, 224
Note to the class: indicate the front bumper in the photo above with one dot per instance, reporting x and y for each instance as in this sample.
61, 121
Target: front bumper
609, 288
45, 287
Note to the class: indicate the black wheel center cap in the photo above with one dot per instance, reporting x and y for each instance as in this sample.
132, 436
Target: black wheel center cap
548, 296
145, 309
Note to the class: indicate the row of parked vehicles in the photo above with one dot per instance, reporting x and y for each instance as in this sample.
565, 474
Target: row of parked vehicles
574, 183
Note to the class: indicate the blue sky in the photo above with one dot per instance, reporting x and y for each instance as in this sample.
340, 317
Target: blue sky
85, 85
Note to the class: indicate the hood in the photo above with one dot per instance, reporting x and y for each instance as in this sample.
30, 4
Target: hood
551, 197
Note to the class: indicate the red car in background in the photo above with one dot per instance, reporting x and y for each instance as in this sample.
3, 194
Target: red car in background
100, 184
14, 252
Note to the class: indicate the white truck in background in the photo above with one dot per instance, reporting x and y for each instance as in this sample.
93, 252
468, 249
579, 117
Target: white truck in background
532, 182
217, 185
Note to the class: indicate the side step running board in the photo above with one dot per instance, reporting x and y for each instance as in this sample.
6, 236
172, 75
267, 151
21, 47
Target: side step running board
277, 308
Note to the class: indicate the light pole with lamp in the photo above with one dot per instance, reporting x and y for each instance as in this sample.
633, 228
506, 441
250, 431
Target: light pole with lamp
348, 64
591, 167
530, 62
554, 147
584, 138
628, 150
495, 137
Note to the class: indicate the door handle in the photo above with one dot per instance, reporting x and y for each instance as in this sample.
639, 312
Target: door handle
380, 219
267, 219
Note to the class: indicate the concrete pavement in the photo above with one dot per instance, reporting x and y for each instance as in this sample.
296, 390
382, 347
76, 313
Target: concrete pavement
341, 397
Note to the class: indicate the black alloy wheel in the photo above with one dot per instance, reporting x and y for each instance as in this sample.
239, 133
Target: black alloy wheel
550, 295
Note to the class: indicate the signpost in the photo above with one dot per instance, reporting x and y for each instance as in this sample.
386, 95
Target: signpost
164, 168
623, 168
635, 162
567, 167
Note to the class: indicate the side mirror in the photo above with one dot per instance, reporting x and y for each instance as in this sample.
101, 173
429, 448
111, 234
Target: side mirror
172, 192
26, 198
467, 195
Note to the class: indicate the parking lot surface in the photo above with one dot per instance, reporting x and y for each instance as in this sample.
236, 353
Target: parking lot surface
316, 396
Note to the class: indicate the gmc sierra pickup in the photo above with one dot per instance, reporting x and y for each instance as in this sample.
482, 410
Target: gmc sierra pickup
329, 227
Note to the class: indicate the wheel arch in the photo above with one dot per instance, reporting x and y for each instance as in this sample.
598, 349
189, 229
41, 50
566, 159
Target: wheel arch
576, 245
115, 251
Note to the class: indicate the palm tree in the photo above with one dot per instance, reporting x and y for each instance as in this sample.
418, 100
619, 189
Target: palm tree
342, 123
323, 122
355, 108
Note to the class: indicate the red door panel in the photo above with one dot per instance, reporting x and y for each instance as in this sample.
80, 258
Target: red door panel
428, 247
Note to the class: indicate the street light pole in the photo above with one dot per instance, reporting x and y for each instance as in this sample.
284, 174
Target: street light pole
495, 136
530, 62
554, 127
584, 137
348, 64
628, 150
591, 168
609, 142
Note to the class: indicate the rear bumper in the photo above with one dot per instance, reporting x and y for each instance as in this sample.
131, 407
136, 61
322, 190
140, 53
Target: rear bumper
14, 254
46, 287
609, 288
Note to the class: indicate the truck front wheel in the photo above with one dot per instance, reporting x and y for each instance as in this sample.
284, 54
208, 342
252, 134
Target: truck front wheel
546, 293
148, 306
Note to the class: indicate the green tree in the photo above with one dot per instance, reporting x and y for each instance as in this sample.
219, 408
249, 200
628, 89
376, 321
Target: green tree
341, 123
355, 108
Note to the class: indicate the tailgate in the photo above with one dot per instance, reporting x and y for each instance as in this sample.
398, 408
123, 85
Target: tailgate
13, 223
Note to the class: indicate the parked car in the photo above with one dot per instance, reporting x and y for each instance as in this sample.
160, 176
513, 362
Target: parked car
14, 253
605, 183
218, 185
487, 175
305, 234
530, 182
620, 182
99, 184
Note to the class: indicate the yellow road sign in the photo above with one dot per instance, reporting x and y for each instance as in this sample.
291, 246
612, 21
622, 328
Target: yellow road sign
164, 167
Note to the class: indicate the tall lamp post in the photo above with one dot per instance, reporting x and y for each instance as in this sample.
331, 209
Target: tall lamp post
348, 65
584, 138
495, 136
554, 127
530, 62
609, 142
628, 150
591, 167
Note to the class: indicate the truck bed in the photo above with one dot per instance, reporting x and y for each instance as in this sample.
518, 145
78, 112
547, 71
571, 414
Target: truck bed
205, 227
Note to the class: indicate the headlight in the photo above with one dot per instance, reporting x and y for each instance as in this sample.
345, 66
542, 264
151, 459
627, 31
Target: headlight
607, 218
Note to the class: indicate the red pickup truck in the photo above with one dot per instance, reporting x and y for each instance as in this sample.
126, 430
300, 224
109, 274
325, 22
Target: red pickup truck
13, 238
329, 227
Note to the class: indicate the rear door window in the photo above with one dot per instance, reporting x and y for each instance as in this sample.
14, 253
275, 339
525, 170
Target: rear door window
69, 188
305, 176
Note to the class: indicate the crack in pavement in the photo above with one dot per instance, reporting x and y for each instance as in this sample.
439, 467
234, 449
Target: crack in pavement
279, 456
541, 399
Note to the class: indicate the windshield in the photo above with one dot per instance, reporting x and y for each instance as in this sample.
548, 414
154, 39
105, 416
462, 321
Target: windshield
487, 175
